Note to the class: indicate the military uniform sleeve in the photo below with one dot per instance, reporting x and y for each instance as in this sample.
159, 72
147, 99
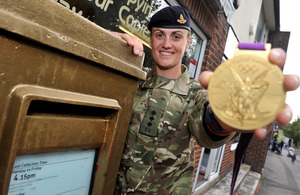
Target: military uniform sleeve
200, 129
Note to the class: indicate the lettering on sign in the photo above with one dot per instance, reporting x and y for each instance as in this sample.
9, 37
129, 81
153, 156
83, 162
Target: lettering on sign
130, 16
52, 173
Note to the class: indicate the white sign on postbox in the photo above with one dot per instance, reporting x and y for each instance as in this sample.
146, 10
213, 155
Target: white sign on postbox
67, 173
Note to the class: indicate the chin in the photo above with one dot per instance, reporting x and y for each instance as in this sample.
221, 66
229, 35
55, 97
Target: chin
165, 66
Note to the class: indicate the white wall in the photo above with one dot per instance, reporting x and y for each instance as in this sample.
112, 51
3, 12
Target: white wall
243, 17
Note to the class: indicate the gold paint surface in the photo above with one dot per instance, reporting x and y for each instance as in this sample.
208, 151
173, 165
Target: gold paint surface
246, 92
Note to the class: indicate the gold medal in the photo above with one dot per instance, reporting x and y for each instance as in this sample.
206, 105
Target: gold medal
246, 92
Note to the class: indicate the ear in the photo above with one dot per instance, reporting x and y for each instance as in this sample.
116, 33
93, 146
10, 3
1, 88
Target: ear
150, 41
188, 43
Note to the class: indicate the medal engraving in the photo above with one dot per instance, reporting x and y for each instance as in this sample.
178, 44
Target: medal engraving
246, 92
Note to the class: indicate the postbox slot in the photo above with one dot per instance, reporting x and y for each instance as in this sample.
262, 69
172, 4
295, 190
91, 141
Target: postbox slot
38, 107
47, 133
55, 126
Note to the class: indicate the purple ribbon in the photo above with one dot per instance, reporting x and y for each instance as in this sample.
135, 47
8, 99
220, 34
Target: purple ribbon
245, 137
252, 46
239, 156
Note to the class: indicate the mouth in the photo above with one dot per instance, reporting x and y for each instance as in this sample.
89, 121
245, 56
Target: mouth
164, 53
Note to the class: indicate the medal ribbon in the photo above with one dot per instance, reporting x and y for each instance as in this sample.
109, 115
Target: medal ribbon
245, 137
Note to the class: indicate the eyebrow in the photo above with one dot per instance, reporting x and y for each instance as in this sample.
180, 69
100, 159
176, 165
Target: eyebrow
163, 32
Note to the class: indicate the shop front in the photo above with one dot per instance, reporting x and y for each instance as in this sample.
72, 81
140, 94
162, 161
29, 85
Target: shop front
132, 17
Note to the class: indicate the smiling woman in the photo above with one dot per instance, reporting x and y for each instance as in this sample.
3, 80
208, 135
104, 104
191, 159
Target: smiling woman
168, 47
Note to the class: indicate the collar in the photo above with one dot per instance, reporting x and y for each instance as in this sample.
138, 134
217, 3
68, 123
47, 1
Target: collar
179, 86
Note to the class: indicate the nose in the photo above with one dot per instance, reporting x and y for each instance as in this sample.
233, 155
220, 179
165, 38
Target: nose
167, 43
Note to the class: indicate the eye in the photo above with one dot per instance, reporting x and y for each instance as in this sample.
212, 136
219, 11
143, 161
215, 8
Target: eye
159, 35
176, 37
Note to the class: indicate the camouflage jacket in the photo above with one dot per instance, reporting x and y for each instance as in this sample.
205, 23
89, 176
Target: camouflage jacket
158, 156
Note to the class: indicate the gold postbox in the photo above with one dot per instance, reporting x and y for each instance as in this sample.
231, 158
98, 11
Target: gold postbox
66, 84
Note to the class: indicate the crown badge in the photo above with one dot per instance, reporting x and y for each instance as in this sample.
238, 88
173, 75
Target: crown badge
181, 19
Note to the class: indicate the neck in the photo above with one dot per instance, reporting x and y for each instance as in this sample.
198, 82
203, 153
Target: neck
173, 73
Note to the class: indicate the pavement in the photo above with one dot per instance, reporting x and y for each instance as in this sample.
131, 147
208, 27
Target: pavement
280, 176
246, 183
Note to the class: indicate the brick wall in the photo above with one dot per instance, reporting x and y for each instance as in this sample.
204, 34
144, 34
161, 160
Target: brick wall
197, 153
228, 160
206, 14
279, 39
257, 152
214, 25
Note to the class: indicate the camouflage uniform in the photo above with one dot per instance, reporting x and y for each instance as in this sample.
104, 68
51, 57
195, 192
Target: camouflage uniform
158, 156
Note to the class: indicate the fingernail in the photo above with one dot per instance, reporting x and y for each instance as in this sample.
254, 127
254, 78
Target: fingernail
277, 58
264, 131
289, 116
276, 55
136, 51
297, 79
141, 53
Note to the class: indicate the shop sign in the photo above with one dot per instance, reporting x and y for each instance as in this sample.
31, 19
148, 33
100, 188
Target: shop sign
192, 67
131, 16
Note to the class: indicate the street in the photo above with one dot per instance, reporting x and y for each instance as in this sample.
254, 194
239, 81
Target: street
280, 176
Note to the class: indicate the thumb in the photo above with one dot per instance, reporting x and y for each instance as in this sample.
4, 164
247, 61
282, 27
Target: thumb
204, 78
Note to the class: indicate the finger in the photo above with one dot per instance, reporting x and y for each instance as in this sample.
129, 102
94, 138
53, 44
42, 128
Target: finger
123, 36
260, 133
285, 115
277, 56
128, 39
116, 34
204, 78
133, 42
137, 46
291, 82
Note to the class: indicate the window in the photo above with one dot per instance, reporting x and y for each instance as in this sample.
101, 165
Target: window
208, 166
132, 18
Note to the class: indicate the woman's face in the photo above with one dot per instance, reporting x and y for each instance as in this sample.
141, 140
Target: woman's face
168, 46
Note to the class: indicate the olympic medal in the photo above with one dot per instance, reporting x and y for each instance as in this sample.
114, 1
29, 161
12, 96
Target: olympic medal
246, 92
